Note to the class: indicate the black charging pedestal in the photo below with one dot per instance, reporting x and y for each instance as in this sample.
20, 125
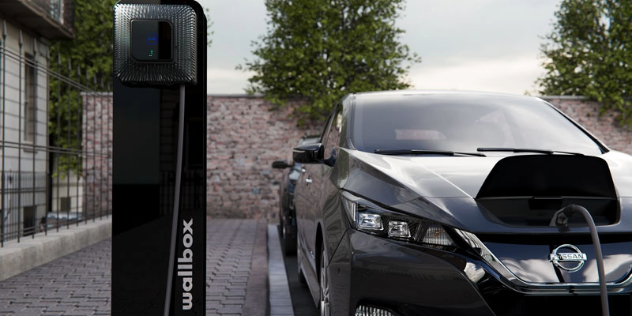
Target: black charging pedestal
159, 62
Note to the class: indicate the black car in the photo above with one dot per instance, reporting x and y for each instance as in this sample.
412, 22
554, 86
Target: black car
287, 218
458, 203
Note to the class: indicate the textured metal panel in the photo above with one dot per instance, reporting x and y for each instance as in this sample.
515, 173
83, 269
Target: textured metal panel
182, 70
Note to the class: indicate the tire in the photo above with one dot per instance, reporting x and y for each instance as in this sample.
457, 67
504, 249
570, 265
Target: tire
288, 243
323, 306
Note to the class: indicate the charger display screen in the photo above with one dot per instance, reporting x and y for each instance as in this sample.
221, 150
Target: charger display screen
151, 40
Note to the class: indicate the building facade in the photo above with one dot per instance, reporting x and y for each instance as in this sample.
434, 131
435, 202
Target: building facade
27, 26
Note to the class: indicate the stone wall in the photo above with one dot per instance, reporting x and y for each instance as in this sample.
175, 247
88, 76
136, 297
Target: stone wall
97, 160
604, 127
245, 135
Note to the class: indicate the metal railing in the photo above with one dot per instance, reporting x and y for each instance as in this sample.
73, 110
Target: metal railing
55, 139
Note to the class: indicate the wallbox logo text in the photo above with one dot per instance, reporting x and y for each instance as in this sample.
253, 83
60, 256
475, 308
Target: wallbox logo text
185, 265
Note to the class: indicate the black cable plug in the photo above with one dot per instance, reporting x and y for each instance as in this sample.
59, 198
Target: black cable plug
560, 219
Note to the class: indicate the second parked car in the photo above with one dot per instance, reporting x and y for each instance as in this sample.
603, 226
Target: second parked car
287, 218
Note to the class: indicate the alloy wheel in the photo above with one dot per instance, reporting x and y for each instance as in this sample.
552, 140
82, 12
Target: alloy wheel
324, 285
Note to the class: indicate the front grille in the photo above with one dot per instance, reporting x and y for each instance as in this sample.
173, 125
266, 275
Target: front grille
363, 310
505, 303
554, 239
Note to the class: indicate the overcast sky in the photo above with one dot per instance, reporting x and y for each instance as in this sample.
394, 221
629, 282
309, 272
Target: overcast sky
485, 45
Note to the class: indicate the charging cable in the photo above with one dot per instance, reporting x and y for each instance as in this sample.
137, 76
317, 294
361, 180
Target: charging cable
176, 202
561, 219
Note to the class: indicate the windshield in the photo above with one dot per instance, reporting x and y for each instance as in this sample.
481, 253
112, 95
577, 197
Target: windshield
463, 123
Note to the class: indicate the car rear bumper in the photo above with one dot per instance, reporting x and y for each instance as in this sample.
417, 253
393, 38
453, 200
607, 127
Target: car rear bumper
413, 280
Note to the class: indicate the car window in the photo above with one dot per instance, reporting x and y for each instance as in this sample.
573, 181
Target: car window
323, 135
332, 138
459, 123
309, 140
295, 172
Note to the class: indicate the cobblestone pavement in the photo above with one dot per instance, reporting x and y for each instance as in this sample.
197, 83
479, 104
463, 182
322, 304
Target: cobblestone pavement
229, 257
79, 283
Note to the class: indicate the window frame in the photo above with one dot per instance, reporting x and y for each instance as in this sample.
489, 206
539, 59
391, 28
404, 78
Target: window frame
30, 99
337, 111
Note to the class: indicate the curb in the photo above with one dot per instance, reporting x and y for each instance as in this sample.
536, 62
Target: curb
16, 258
280, 299
256, 302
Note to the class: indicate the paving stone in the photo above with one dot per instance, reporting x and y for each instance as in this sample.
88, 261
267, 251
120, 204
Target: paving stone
236, 293
281, 310
281, 302
229, 311
233, 302
79, 284
9, 309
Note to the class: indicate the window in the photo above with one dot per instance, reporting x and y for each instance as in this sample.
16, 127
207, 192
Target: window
463, 123
28, 220
30, 96
332, 140
65, 204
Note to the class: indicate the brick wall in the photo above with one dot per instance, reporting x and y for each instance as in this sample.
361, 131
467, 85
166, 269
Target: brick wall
245, 136
97, 147
604, 127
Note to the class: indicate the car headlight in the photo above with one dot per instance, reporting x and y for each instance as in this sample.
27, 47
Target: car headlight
370, 218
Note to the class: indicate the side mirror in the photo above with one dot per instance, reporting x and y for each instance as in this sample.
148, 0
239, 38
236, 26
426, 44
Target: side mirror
280, 164
311, 153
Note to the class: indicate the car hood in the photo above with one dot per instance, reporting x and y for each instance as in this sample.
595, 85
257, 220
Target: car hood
448, 190
461, 176
445, 188
432, 177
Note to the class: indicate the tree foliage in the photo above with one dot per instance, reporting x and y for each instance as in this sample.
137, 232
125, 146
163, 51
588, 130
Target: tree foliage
589, 53
322, 50
86, 59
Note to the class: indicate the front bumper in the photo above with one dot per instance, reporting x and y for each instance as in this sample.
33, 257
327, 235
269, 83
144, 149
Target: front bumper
411, 280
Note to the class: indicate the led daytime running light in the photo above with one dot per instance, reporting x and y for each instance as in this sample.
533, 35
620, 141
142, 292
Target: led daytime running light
375, 220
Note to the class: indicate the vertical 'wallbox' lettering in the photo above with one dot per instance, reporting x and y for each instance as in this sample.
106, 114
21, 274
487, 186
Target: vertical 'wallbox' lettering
185, 265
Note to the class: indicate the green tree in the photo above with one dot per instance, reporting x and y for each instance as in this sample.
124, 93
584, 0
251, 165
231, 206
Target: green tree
90, 52
322, 50
589, 53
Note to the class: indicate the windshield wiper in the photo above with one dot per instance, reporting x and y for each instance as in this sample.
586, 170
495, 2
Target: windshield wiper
424, 152
529, 150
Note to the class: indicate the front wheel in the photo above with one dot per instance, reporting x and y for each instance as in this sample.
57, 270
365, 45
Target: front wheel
288, 241
324, 285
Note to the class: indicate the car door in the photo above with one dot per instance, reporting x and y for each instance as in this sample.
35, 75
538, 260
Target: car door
328, 213
316, 176
308, 197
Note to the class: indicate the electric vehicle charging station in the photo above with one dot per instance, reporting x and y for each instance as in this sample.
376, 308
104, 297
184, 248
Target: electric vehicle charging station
159, 166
